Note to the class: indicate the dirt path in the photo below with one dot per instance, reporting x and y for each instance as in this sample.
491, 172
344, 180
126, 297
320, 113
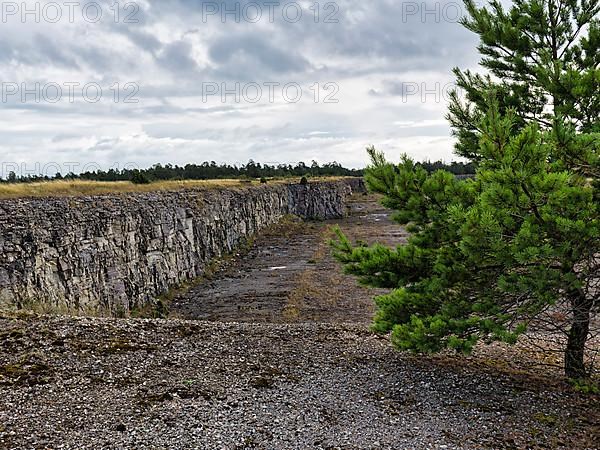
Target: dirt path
289, 274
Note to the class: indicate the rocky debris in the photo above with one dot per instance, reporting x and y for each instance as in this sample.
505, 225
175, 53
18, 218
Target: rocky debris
109, 254
110, 383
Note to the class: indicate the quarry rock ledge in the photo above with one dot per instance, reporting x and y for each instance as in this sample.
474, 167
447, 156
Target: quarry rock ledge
112, 253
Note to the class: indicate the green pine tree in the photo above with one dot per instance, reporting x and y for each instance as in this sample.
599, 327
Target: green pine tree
490, 255
542, 58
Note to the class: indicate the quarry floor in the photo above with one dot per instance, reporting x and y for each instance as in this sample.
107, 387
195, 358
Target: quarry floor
289, 275
272, 350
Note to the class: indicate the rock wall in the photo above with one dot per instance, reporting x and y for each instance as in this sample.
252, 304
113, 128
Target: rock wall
112, 253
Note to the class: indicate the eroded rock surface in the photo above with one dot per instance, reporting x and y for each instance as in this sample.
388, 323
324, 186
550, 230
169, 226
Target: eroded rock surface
115, 253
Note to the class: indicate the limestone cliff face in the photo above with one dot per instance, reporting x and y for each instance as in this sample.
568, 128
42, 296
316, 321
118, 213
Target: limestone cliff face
114, 253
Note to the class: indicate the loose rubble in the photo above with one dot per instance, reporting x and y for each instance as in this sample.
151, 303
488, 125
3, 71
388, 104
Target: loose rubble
106, 383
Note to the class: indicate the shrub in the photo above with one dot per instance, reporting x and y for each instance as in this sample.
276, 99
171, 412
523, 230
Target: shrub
139, 178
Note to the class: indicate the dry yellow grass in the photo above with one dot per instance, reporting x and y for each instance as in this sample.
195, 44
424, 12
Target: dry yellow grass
65, 188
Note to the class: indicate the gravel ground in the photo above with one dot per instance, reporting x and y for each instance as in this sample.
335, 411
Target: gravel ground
108, 383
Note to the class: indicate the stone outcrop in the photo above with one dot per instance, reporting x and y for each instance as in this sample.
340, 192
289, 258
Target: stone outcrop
112, 253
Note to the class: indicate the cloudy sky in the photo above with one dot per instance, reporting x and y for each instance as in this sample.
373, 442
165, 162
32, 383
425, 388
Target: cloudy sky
87, 84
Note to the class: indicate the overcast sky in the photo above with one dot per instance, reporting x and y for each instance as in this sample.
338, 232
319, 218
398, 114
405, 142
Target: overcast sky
322, 86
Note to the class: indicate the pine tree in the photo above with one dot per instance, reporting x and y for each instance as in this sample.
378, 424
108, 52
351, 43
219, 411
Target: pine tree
542, 58
489, 256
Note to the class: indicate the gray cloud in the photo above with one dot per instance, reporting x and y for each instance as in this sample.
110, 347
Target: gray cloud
251, 56
177, 56
372, 53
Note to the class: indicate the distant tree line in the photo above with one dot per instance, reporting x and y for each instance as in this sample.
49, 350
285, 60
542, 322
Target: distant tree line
457, 168
212, 170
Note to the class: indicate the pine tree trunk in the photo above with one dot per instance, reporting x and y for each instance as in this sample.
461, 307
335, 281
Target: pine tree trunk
580, 327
